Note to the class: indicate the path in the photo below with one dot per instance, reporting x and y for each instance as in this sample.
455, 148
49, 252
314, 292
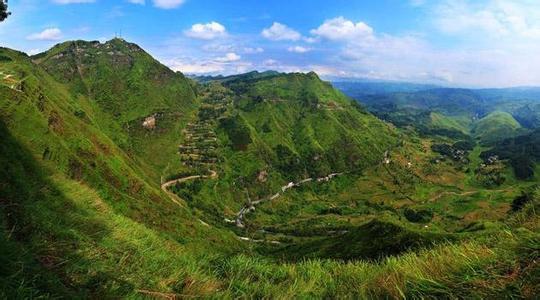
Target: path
165, 186
250, 206
442, 194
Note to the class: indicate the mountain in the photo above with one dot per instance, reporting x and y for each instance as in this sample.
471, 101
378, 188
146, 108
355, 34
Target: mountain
277, 129
424, 108
123, 179
126, 87
245, 76
495, 127
72, 198
360, 88
521, 151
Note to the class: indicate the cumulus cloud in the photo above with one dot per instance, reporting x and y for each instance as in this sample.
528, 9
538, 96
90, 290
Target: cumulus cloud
49, 34
33, 51
211, 66
298, 49
190, 67
270, 62
496, 18
207, 31
168, 4
229, 57
342, 29
280, 32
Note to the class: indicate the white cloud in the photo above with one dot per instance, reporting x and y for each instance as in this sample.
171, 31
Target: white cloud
168, 4
270, 62
195, 67
417, 2
280, 32
141, 2
72, 1
229, 57
49, 34
492, 18
249, 50
207, 31
33, 51
342, 29
298, 49
218, 47
311, 40
202, 66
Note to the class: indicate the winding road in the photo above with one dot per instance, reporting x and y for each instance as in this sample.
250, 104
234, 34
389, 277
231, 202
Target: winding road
165, 186
250, 206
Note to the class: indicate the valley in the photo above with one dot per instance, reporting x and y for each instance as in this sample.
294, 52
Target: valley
124, 179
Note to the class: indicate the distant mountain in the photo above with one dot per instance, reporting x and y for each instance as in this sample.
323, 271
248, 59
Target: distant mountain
244, 76
310, 119
495, 127
464, 106
121, 178
358, 89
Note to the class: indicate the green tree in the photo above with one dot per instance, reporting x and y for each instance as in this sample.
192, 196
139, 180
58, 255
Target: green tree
3, 10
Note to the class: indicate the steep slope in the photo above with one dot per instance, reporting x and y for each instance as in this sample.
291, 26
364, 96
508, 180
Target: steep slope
72, 201
523, 153
495, 127
309, 118
127, 88
277, 130
81, 216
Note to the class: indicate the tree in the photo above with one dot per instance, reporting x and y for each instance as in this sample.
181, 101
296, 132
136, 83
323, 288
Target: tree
3, 10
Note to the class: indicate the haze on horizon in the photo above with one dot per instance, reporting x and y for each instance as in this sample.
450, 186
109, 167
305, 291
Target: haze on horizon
487, 43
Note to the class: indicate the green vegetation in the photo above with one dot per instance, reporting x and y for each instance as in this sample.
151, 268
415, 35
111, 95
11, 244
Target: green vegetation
495, 127
521, 151
90, 130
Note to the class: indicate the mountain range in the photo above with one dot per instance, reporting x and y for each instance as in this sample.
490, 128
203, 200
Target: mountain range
121, 178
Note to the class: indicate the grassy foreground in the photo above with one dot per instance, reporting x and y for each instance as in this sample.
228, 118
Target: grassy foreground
82, 216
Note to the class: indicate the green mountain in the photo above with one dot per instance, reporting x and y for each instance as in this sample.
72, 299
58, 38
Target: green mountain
126, 86
495, 127
123, 179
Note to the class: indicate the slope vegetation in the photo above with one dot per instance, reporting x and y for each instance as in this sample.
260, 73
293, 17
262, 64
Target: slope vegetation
128, 88
87, 133
495, 127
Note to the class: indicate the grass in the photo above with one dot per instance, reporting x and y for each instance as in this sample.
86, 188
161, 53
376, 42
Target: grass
495, 127
83, 216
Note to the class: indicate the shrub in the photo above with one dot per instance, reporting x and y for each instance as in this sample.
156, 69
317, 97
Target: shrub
418, 216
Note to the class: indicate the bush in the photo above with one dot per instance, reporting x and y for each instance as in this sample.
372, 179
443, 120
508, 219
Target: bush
523, 167
418, 216
465, 145
521, 200
237, 132
443, 149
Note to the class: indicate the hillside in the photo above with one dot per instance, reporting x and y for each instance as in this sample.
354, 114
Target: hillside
495, 127
274, 130
119, 181
126, 87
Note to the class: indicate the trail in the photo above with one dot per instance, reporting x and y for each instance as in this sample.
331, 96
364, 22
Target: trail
442, 194
250, 206
165, 186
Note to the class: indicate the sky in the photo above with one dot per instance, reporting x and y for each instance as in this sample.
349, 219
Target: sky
469, 43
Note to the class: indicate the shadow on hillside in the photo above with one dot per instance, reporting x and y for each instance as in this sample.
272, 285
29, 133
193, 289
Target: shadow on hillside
39, 232
372, 241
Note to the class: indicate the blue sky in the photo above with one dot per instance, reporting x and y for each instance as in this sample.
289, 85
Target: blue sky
480, 43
